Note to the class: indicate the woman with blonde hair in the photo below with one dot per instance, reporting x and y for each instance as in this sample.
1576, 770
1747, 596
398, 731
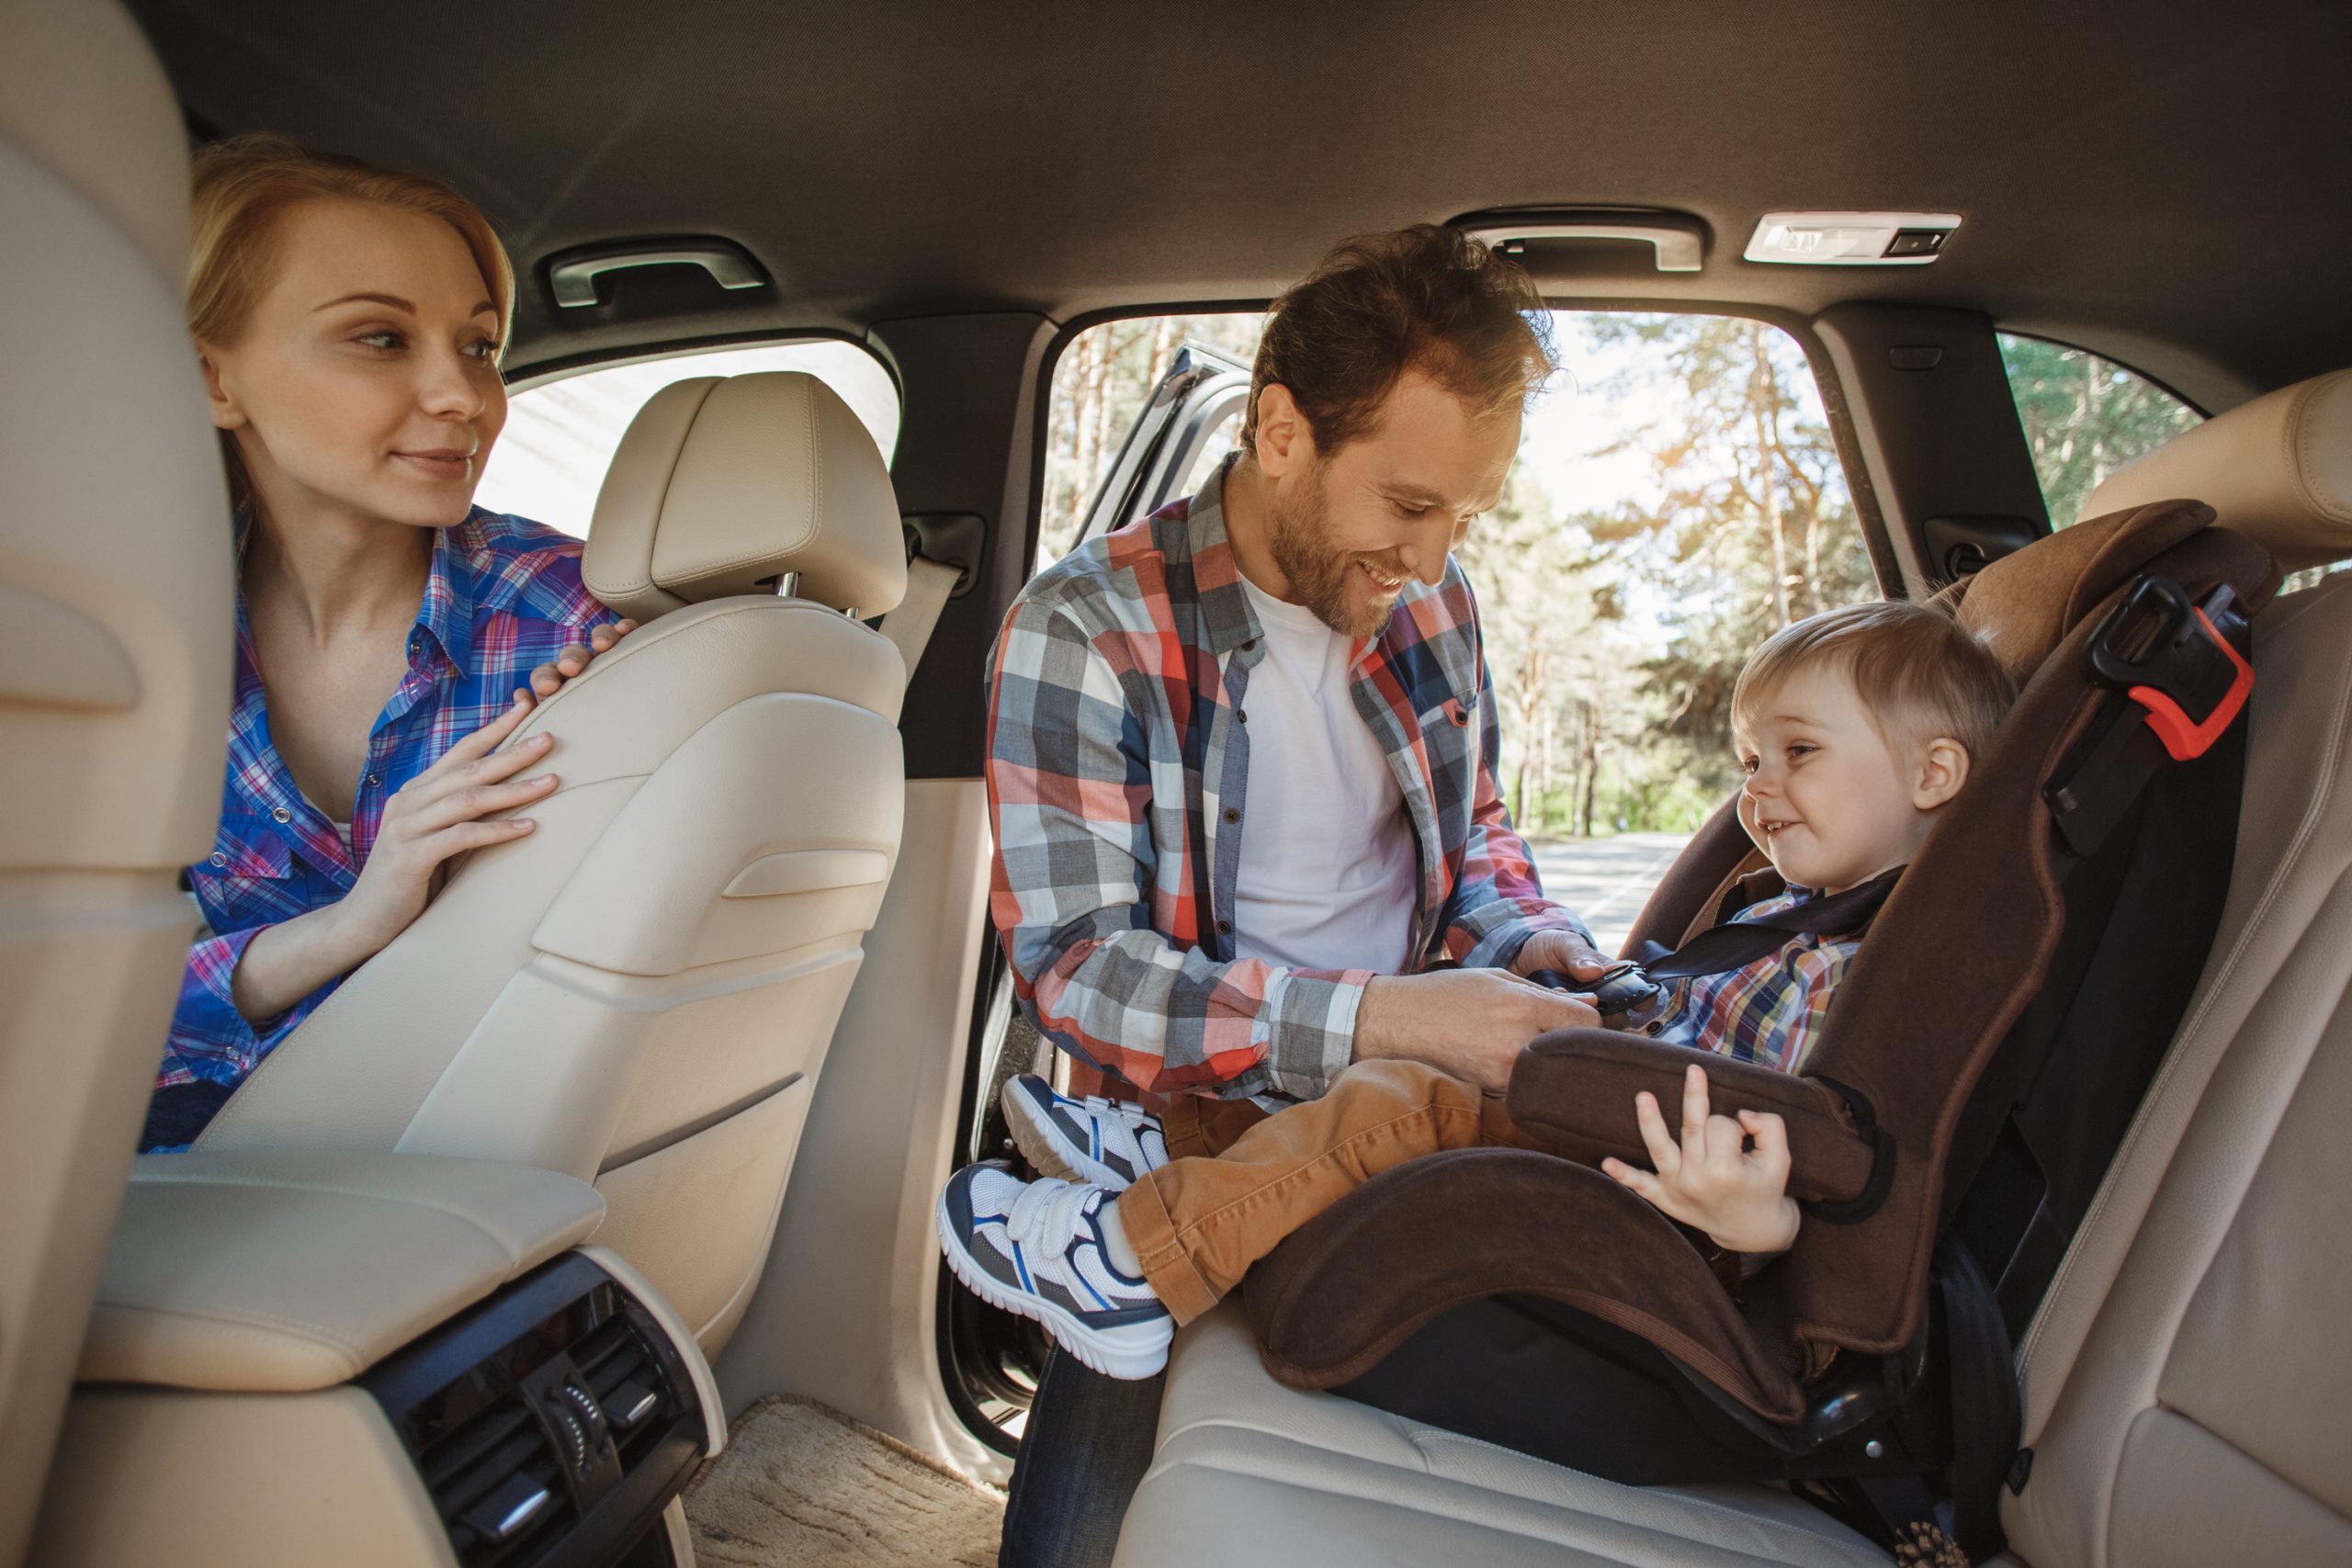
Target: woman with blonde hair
390, 634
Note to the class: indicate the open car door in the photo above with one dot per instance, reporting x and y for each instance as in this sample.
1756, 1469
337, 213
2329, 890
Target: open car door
1191, 421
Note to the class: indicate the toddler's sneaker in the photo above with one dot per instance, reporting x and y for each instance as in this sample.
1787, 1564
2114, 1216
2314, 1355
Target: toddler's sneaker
1092, 1140
1037, 1247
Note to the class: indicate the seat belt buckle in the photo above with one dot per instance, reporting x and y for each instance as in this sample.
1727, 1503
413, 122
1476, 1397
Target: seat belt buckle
2186, 674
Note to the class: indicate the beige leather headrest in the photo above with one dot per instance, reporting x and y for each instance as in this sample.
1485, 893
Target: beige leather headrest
2277, 469
83, 95
725, 482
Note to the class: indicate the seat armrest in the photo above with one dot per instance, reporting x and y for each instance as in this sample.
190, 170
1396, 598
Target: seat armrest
292, 1271
1572, 1091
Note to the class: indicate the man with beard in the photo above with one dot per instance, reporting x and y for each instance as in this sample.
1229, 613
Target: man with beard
1241, 765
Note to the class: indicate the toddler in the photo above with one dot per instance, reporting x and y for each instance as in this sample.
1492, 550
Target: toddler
1855, 728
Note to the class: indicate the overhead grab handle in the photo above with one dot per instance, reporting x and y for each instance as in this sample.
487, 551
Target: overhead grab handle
573, 274
1679, 240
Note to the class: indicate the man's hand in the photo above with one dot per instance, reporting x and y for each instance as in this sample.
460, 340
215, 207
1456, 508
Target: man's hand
1712, 1181
1563, 952
572, 661
1468, 1023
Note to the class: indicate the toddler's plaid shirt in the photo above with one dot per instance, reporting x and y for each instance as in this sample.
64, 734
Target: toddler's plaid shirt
1768, 1011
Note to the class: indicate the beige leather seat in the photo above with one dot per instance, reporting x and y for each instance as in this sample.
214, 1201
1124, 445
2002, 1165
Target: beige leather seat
117, 620
2189, 1382
641, 993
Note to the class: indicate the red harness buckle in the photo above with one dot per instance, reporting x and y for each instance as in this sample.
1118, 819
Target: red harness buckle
2187, 738
2185, 665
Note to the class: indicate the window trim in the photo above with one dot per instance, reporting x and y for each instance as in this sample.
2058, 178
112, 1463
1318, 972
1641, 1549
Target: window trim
545, 372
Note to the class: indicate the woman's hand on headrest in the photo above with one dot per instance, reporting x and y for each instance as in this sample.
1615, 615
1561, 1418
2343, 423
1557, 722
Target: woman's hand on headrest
572, 661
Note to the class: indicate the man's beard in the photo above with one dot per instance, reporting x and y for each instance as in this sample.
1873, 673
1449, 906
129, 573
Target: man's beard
1299, 538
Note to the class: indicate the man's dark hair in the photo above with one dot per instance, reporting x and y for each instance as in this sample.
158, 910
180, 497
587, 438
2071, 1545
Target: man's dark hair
1427, 298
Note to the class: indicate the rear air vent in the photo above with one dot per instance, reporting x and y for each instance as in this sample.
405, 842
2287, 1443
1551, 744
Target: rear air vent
550, 1423
627, 1385
498, 1485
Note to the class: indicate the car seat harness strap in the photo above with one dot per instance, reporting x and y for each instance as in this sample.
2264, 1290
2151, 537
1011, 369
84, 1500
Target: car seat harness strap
1625, 988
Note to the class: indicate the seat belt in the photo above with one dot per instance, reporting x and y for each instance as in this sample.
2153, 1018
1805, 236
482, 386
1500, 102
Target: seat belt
1735, 945
909, 626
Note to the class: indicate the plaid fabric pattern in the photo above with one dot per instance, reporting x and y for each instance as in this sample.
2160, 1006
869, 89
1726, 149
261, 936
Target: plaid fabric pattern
503, 597
1768, 1012
1118, 753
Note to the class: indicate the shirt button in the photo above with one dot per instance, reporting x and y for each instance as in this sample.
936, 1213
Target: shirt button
375, 781
1225, 928
1240, 716
281, 815
220, 859
1233, 814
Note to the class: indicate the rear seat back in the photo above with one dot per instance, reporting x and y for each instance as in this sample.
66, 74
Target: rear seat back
2188, 1379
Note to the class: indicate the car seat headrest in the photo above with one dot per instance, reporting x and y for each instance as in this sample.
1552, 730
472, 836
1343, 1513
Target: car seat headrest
724, 483
2277, 469
83, 95
2023, 604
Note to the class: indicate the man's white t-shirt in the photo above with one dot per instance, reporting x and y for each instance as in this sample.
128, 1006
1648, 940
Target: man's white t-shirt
1329, 877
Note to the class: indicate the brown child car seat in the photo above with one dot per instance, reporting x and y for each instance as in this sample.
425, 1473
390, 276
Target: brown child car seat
1978, 1068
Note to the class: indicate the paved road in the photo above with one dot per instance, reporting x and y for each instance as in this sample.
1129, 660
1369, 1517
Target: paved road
1605, 880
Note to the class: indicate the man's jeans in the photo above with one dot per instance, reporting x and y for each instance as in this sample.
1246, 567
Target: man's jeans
1089, 1437
1084, 1452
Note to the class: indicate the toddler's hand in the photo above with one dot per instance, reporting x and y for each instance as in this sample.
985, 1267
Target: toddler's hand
1712, 1179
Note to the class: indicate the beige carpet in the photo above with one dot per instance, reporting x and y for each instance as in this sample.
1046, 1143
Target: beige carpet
802, 1485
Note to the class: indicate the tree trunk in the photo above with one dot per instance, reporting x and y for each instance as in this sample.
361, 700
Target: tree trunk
1762, 394
1591, 765
1163, 344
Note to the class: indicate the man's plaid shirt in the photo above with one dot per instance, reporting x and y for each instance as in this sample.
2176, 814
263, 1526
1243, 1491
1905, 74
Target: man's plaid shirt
503, 596
1770, 1011
1118, 752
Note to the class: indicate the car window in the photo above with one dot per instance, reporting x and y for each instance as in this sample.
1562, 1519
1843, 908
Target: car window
561, 434
1677, 499
2083, 417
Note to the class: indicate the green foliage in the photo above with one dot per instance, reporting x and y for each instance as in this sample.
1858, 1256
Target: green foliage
1750, 528
2083, 417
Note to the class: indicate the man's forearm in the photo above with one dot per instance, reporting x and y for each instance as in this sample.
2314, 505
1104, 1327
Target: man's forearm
1171, 1020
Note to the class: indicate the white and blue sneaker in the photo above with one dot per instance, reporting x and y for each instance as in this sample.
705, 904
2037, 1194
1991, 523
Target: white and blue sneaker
1093, 1140
1036, 1248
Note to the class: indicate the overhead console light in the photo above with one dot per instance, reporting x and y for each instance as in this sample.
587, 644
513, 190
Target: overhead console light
1851, 239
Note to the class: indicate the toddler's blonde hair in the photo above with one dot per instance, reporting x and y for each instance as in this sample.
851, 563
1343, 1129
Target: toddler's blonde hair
1921, 675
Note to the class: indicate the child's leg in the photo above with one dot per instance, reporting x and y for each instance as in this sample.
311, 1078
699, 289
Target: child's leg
1194, 1125
1195, 1226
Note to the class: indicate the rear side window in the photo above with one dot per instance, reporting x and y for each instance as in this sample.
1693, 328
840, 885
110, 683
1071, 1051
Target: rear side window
560, 436
2085, 417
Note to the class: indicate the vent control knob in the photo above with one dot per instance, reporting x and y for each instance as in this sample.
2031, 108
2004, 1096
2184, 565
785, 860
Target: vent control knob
508, 1509
572, 1431
631, 1404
